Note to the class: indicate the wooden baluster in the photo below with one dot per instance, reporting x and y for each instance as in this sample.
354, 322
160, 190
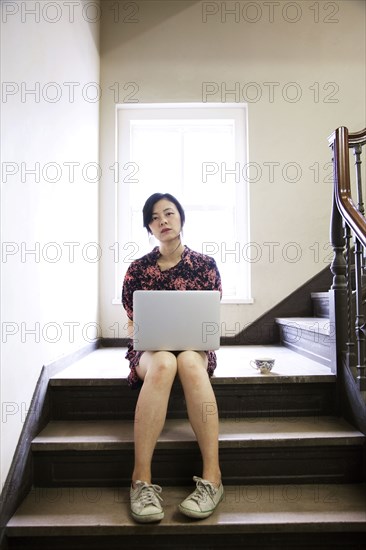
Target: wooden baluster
357, 151
360, 318
350, 345
360, 278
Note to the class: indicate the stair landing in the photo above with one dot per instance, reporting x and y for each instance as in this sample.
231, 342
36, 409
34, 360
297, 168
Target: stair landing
233, 362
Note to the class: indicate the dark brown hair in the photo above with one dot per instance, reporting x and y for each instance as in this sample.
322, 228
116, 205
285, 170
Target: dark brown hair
147, 210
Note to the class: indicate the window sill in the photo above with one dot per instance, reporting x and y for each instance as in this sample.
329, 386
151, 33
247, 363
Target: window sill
224, 301
237, 301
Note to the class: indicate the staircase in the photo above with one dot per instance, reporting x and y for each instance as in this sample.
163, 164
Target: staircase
310, 336
293, 469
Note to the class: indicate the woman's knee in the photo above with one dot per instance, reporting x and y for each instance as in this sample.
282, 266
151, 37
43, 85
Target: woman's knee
162, 368
192, 365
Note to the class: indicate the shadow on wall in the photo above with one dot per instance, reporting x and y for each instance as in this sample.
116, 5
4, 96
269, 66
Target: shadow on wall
135, 18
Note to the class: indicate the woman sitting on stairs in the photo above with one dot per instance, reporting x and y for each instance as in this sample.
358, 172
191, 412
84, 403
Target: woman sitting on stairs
171, 266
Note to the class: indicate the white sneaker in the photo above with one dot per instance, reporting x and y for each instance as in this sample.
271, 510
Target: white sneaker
145, 505
203, 501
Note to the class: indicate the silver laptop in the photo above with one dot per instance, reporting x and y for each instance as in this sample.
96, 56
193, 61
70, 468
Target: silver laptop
176, 320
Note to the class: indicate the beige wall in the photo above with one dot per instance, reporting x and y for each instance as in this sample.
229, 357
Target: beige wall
299, 61
48, 298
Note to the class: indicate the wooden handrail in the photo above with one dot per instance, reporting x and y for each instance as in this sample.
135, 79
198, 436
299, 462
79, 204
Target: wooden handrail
341, 141
357, 138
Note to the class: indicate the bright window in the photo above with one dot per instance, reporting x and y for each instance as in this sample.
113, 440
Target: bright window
198, 153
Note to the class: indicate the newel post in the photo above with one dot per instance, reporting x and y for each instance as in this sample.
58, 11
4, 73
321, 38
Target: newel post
338, 293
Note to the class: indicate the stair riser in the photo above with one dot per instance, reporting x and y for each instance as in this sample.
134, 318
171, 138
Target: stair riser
176, 466
233, 401
233, 541
321, 306
313, 345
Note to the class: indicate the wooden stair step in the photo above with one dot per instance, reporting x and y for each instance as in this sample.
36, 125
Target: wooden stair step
265, 516
320, 302
96, 387
272, 450
315, 325
115, 435
308, 336
108, 366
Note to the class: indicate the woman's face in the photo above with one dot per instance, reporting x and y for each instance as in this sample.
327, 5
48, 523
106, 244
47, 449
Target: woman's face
165, 223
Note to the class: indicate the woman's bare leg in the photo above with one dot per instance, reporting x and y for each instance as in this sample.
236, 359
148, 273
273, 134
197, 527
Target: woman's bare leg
202, 410
157, 370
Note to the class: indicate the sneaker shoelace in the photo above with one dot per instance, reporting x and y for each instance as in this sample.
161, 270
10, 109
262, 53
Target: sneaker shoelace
147, 494
203, 487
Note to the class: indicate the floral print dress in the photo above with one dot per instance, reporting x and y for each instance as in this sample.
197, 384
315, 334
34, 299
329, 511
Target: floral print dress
194, 271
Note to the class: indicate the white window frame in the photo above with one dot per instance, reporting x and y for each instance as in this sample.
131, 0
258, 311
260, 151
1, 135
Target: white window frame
124, 173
